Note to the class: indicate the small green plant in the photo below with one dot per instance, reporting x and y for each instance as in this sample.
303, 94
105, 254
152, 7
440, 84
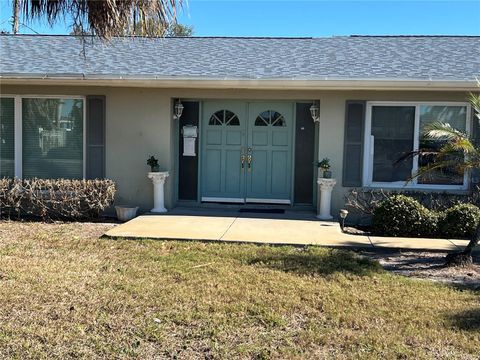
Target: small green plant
400, 215
459, 221
153, 163
324, 164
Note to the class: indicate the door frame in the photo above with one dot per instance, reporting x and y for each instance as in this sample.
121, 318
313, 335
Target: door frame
201, 101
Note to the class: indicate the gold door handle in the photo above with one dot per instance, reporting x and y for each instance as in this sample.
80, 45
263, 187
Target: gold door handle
249, 162
242, 160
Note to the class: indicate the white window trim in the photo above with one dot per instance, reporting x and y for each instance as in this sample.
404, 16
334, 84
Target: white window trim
19, 131
367, 178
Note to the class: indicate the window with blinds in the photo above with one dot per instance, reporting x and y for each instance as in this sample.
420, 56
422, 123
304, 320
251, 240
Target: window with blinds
393, 129
7, 137
52, 138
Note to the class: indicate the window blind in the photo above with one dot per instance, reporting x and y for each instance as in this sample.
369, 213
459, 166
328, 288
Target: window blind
52, 138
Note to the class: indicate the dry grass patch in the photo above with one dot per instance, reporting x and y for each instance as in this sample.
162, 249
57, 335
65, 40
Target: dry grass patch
65, 293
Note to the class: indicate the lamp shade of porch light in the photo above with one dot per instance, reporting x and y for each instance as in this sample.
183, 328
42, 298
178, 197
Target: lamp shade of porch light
178, 109
315, 112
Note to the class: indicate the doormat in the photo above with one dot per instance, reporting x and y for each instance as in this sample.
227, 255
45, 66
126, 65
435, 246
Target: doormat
264, 211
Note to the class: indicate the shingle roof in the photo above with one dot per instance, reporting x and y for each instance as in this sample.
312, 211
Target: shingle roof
344, 57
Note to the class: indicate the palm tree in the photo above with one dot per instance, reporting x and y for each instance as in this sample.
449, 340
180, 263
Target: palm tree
458, 152
104, 18
16, 13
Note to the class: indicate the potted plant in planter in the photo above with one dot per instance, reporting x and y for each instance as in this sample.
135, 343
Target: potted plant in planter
324, 166
153, 163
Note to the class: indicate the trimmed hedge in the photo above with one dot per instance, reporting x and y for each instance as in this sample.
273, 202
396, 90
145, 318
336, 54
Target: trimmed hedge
401, 215
55, 199
459, 221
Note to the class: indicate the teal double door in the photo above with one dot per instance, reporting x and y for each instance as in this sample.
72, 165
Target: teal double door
246, 152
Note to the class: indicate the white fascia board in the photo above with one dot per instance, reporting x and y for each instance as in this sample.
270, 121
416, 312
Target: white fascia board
228, 83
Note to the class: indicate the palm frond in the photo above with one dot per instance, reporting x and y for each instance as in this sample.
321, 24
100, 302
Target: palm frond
459, 167
104, 18
412, 154
462, 146
474, 99
442, 131
471, 163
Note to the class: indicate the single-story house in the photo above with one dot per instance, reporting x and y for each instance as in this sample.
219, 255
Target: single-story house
73, 108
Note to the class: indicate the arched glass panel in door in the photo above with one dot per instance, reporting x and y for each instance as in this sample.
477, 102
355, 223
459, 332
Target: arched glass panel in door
224, 117
270, 118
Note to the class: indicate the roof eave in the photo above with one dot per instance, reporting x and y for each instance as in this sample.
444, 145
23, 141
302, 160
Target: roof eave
235, 83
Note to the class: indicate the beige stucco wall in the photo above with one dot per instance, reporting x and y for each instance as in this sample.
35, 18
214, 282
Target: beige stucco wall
139, 124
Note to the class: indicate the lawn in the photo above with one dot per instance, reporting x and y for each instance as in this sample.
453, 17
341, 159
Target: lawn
66, 293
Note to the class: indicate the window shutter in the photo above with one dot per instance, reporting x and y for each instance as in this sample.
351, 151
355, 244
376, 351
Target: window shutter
95, 165
353, 143
7, 137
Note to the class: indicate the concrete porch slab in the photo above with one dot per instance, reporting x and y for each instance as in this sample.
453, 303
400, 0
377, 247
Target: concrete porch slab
266, 231
173, 227
294, 232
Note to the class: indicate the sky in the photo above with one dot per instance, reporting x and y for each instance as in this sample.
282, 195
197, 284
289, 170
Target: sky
310, 18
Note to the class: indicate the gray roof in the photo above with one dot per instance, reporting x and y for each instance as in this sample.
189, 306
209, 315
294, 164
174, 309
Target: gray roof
447, 58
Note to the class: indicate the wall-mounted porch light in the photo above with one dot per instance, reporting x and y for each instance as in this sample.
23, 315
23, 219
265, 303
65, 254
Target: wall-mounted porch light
315, 112
178, 109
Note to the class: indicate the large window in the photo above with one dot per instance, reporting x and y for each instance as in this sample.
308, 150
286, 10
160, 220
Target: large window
394, 130
43, 137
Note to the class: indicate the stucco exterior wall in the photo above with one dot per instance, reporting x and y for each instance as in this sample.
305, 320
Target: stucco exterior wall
139, 124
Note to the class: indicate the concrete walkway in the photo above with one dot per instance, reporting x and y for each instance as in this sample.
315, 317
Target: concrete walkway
265, 231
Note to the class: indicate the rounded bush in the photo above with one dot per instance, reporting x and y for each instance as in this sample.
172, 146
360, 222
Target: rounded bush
400, 215
459, 221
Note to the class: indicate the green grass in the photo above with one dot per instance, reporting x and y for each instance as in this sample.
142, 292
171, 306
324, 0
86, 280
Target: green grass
65, 293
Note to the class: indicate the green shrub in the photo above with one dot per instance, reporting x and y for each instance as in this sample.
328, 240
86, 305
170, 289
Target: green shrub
400, 215
459, 221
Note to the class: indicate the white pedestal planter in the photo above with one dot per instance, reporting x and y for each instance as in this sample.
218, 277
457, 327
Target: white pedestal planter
158, 179
325, 187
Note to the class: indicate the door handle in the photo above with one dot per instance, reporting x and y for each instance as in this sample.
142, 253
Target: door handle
249, 162
242, 161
